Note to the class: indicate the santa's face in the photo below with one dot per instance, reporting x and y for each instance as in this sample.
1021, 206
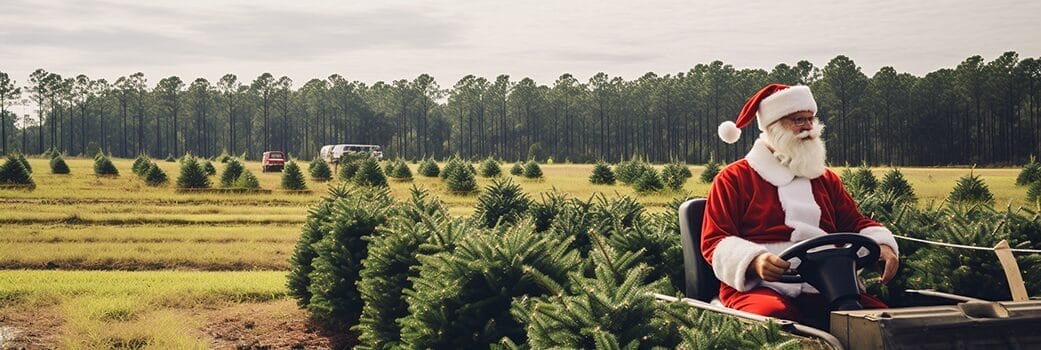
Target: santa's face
796, 141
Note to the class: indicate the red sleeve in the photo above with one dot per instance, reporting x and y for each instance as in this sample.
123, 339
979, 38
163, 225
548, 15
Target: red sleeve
722, 211
847, 217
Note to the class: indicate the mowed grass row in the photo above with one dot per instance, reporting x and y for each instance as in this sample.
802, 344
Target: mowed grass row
209, 248
119, 309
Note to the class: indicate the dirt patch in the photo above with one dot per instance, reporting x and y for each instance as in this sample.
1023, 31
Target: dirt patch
272, 325
30, 327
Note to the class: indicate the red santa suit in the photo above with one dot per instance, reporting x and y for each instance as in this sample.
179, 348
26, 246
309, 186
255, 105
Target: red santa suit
757, 205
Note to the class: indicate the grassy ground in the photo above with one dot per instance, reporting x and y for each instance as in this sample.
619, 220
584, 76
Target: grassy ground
91, 262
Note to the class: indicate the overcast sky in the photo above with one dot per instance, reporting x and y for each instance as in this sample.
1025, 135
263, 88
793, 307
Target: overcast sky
387, 40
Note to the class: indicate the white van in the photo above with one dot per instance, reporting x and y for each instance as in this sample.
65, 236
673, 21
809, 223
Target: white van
332, 153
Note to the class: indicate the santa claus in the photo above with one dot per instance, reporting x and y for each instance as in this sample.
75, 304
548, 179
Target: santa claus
781, 193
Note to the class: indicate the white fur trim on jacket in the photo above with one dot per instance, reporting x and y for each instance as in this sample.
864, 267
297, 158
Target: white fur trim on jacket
766, 165
882, 236
782, 103
731, 259
801, 211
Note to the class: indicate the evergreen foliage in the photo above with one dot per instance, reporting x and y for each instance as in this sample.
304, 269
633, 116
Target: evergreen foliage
895, 183
700, 329
140, 165
502, 202
675, 175
13, 172
401, 171
207, 167
429, 168
347, 170
462, 298
104, 167
451, 166
628, 172
49, 153
460, 180
319, 170
232, 171
1034, 193
58, 165
532, 170
339, 253
155, 176
970, 189
712, 168
1030, 174
860, 181
490, 168
648, 182
192, 175
300, 267
292, 177
602, 174
25, 162
247, 181
517, 169
369, 174
545, 211
170, 158
224, 157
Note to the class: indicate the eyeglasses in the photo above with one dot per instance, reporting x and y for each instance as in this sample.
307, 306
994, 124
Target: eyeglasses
800, 121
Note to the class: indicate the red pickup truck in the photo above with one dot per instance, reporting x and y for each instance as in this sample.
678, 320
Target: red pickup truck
273, 161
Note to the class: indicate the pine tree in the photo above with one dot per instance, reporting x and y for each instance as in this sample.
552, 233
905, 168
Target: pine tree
246, 181
429, 168
293, 178
58, 165
1030, 174
451, 166
340, 252
648, 182
320, 171
13, 173
629, 171
712, 169
140, 165
461, 179
104, 167
517, 169
155, 176
1034, 193
170, 158
25, 162
401, 171
490, 168
207, 167
192, 175
675, 175
232, 171
462, 299
369, 174
304, 253
970, 189
347, 170
602, 174
502, 202
859, 182
224, 157
895, 183
532, 170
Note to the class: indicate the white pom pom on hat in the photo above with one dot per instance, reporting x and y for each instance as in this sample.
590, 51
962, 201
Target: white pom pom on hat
770, 104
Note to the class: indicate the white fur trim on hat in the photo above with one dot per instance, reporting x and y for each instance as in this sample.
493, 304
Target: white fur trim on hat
782, 103
729, 132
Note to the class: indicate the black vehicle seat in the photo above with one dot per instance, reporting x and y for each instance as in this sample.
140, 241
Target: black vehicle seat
700, 280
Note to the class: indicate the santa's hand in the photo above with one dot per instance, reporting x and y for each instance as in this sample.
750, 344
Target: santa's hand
769, 267
888, 256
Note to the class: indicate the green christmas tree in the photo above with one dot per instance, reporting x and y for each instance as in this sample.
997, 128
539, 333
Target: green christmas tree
13, 173
58, 165
401, 171
517, 169
140, 165
461, 179
1030, 174
490, 168
155, 176
675, 175
648, 182
207, 167
602, 174
25, 162
293, 178
313, 230
104, 167
895, 183
192, 175
501, 202
429, 168
532, 170
369, 174
712, 169
348, 169
320, 171
232, 171
246, 181
970, 189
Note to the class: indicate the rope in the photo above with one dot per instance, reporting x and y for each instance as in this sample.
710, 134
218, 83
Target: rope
1034, 251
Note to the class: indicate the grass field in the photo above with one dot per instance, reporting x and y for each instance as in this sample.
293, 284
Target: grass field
111, 262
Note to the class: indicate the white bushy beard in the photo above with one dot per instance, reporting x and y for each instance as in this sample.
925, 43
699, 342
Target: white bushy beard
803, 153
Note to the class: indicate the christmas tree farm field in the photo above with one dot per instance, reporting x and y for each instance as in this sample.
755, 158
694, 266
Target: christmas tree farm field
111, 261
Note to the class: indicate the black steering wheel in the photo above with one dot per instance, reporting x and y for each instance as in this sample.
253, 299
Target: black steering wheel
846, 244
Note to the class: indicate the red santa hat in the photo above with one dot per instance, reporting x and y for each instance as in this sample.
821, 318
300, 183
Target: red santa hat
773, 102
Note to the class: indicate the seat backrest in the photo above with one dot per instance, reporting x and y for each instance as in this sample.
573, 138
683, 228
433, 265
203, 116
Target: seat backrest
700, 280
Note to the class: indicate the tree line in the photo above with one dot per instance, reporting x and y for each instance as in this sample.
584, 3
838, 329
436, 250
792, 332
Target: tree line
979, 112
